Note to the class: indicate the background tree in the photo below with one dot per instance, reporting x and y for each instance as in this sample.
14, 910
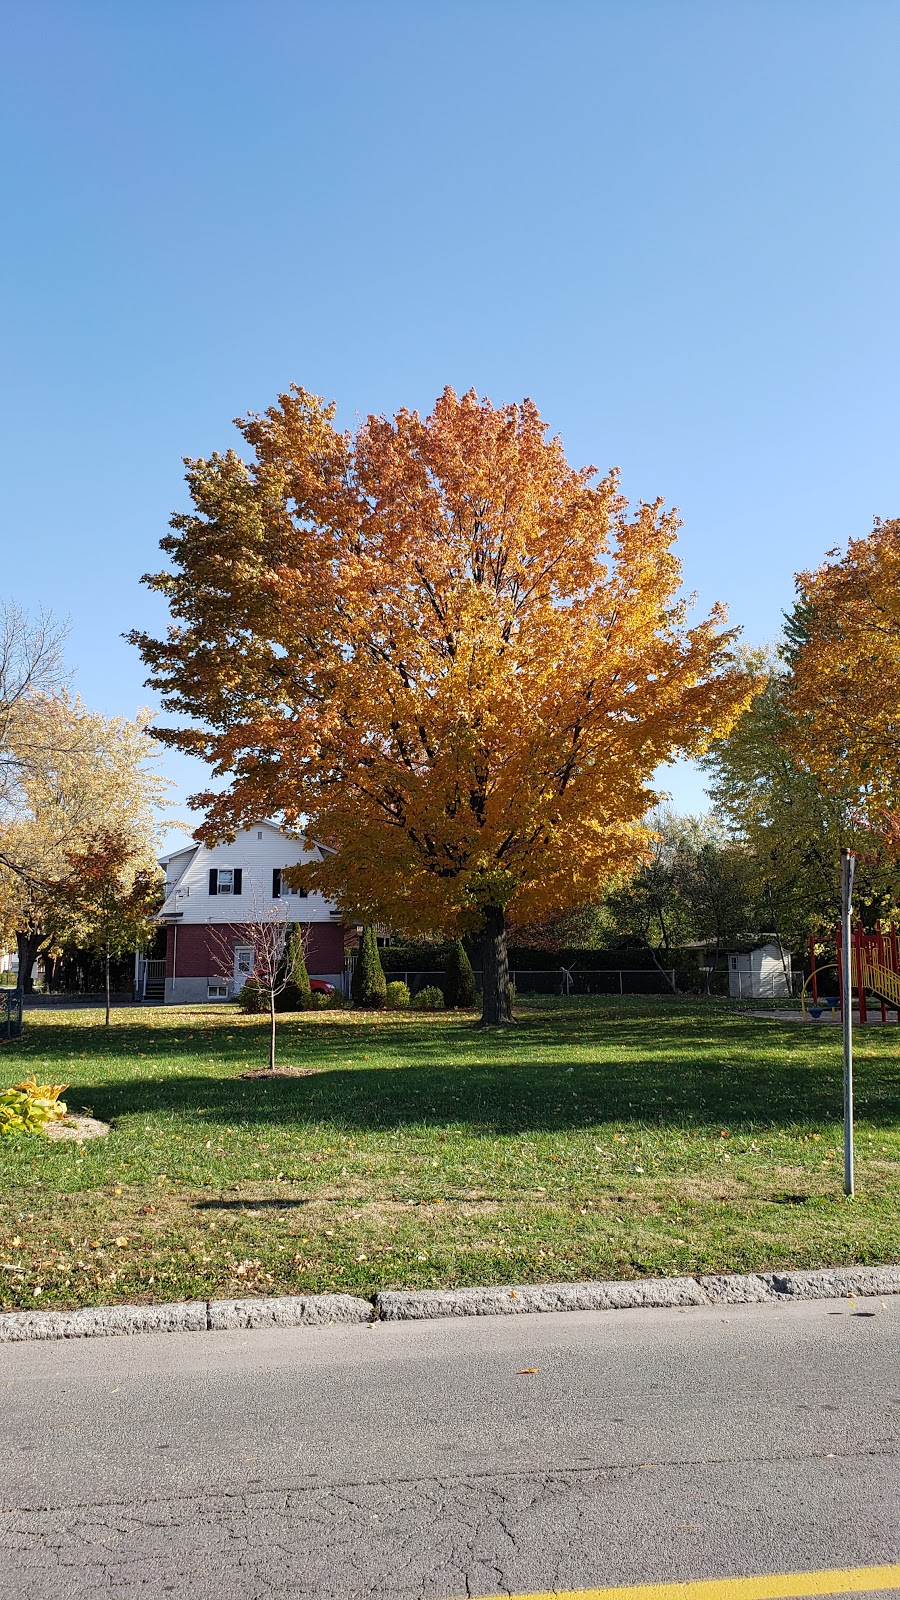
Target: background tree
696, 886
793, 826
843, 691
368, 986
458, 657
649, 905
31, 678
77, 777
111, 898
713, 878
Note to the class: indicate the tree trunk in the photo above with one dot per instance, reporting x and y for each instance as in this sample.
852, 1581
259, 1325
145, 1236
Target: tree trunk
27, 946
496, 999
660, 968
272, 1029
107, 986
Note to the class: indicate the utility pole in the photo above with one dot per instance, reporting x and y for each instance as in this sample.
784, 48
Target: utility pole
848, 863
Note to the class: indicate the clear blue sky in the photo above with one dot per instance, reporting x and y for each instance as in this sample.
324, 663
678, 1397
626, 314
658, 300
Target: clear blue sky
673, 224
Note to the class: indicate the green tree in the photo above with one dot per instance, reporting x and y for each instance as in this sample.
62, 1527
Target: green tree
368, 986
793, 828
713, 879
697, 885
650, 905
460, 988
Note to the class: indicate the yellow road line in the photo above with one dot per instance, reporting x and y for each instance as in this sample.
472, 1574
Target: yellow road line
770, 1586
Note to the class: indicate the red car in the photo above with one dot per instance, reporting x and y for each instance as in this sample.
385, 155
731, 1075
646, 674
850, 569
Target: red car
319, 986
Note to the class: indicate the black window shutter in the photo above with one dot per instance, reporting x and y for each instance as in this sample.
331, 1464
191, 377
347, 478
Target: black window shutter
276, 883
213, 880
238, 877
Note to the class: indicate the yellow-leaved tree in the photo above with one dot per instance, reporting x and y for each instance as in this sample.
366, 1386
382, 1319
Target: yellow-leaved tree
449, 656
74, 779
843, 689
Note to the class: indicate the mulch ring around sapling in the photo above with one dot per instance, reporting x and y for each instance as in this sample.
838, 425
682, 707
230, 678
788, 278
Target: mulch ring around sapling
279, 1072
76, 1126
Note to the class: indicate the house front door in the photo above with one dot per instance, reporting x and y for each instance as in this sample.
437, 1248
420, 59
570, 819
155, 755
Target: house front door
243, 965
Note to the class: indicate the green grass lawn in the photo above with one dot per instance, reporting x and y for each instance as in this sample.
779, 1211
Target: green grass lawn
595, 1139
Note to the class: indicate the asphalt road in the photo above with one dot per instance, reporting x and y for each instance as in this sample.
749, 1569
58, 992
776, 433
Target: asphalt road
417, 1460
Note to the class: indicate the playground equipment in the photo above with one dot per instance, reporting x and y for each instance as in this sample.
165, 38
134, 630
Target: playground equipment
874, 969
811, 991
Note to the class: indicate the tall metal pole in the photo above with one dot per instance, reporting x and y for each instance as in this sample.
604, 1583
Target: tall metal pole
848, 863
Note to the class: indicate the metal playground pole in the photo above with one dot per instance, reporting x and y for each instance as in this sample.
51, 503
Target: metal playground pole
848, 863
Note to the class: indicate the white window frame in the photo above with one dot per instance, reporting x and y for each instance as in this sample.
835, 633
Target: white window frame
221, 888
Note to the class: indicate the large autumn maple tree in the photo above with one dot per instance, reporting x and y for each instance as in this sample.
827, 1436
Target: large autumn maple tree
446, 654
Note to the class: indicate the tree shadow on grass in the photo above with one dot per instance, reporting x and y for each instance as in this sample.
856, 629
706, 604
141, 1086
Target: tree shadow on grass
561, 1068
496, 1096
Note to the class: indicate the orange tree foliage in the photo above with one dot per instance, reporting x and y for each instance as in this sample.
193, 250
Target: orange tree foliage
844, 686
457, 657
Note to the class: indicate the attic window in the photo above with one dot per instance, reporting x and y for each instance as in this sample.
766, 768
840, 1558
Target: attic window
225, 884
259, 833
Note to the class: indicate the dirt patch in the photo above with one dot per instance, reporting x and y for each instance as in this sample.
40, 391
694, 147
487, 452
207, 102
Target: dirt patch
280, 1072
77, 1127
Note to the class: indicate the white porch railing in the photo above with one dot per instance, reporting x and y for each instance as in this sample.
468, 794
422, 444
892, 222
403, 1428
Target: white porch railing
151, 972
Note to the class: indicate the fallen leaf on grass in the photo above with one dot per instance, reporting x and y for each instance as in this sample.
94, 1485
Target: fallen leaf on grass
523, 1372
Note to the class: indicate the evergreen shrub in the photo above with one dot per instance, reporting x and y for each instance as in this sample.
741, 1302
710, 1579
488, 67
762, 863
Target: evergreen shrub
295, 963
368, 986
398, 998
293, 998
460, 988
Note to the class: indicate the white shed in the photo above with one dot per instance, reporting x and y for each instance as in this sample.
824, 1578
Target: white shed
763, 973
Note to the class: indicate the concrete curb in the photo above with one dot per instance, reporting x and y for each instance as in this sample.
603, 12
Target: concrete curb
418, 1305
291, 1311
716, 1289
192, 1316
401, 1305
183, 1316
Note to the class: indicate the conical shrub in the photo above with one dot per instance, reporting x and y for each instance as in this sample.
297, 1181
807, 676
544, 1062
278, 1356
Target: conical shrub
295, 960
368, 986
460, 988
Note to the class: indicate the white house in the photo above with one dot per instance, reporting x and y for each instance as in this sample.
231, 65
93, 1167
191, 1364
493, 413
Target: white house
210, 893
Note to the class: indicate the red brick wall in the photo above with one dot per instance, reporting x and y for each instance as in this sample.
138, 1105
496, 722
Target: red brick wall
203, 950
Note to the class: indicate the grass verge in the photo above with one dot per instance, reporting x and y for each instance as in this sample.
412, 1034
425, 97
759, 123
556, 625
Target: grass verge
595, 1139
